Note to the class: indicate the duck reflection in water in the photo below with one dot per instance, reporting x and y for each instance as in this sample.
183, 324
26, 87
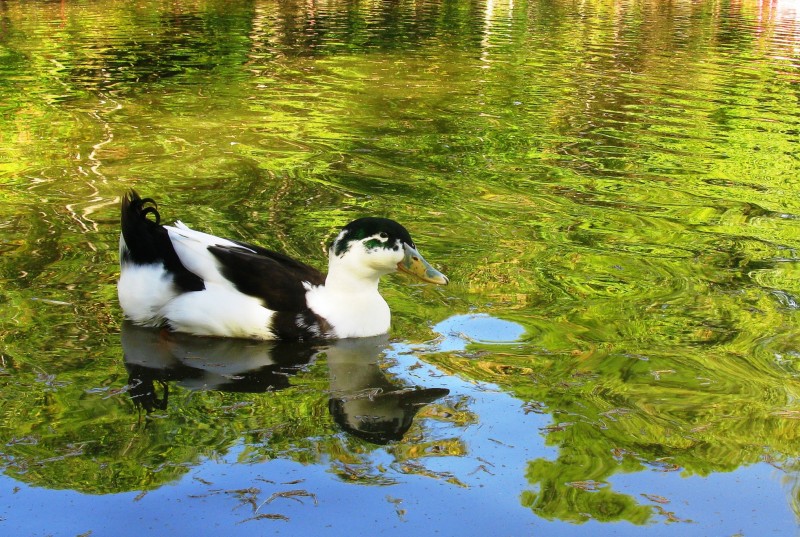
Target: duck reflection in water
363, 401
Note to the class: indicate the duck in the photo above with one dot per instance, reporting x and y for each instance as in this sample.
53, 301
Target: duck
188, 281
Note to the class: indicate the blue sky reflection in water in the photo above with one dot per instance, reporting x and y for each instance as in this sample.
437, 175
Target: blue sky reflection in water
611, 186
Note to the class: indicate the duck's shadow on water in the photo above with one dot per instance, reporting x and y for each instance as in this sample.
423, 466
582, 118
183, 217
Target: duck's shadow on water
362, 400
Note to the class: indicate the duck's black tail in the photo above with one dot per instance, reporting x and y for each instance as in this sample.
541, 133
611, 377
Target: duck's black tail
147, 241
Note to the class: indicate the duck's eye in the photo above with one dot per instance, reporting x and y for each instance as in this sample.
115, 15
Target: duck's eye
384, 235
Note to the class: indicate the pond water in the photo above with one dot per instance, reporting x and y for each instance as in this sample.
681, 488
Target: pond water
612, 186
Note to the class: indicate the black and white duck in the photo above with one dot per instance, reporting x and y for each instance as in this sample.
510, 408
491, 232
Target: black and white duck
204, 285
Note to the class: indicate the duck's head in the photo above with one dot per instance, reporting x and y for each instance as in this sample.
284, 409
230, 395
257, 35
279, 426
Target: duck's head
371, 247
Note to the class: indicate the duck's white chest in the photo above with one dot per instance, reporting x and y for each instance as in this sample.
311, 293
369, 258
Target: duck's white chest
360, 314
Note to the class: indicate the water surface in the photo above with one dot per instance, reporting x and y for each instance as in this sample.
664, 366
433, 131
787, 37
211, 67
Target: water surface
613, 188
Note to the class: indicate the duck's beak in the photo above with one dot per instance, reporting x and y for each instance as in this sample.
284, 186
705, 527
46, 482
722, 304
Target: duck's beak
415, 264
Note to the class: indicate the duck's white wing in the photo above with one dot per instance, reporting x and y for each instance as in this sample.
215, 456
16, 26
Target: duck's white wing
192, 248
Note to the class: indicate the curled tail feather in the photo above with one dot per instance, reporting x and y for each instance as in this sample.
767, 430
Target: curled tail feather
146, 242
